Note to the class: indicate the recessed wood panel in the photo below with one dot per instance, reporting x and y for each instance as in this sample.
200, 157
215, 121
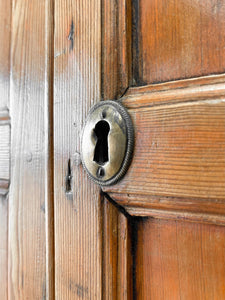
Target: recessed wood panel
179, 260
178, 39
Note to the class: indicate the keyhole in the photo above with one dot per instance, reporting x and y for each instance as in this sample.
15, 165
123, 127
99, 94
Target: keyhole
101, 130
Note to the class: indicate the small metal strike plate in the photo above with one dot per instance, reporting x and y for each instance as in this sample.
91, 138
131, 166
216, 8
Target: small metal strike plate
107, 142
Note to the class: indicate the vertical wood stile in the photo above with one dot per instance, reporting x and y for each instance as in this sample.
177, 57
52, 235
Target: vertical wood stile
30, 94
116, 78
110, 251
77, 83
125, 259
117, 254
116, 47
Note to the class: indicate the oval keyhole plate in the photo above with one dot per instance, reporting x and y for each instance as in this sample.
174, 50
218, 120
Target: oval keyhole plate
107, 142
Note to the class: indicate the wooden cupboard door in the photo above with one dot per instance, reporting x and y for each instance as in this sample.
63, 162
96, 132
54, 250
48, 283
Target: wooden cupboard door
167, 69
159, 232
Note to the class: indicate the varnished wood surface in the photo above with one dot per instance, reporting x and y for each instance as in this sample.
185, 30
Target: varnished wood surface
178, 39
179, 260
187, 90
116, 48
117, 273
189, 209
77, 86
178, 166
5, 24
117, 261
29, 274
179, 148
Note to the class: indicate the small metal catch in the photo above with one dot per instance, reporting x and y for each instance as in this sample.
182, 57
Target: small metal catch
107, 142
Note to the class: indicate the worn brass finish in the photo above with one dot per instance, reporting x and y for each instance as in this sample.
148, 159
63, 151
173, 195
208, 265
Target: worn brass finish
107, 142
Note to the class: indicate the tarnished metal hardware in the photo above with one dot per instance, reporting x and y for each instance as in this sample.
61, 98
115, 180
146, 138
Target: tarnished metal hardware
107, 142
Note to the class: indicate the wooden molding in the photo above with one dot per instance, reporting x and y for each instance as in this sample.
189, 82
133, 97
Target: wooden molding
117, 254
4, 151
179, 91
164, 202
179, 157
116, 47
177, 215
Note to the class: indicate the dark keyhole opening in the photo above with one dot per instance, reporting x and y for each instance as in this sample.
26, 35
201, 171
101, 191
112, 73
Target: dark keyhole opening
101, 130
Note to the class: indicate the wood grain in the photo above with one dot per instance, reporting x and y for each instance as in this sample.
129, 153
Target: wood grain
179, 149
5, 25
77, 86
179, 39
117, 279
182, 204
179, 260
179, 91
29, 273
116, 76
116, 47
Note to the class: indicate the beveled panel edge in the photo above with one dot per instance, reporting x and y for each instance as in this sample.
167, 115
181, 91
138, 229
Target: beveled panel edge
175, 208
177, 215
188, 90
199, 205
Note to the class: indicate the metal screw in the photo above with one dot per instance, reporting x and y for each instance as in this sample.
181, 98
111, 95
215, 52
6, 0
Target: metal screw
100, 172
103, 115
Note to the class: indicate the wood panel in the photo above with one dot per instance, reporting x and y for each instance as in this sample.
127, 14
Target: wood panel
179, 156
178, 39
179, 260
77, 86
117, 273
29, 269
5, 22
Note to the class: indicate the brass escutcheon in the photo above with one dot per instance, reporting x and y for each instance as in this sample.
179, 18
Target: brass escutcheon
107, 142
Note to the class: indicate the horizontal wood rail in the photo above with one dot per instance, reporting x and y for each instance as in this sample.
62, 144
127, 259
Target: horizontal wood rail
179, 156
